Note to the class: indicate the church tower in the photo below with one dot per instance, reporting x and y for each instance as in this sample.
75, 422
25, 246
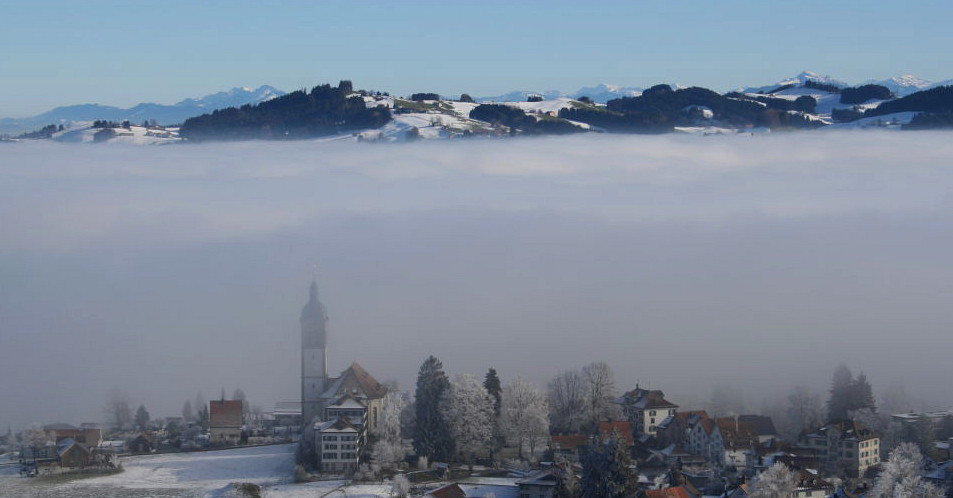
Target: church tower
314, 356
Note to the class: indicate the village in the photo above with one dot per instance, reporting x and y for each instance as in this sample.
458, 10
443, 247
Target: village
472, 437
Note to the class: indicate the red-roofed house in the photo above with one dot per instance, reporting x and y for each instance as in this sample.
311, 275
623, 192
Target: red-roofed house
569, 445
675, 492
624, 428
225, 421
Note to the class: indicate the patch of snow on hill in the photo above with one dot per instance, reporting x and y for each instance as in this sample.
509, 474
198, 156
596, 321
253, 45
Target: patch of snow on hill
545, 106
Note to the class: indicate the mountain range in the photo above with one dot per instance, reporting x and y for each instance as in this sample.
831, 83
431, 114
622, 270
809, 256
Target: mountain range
901, 86
161, 113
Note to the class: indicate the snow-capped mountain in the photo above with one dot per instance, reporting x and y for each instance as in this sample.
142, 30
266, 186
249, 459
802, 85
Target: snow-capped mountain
521, 96
163, 114
902, 85
600, 93
603, 93
798, 80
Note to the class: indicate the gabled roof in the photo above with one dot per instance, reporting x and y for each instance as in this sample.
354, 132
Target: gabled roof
355, 380
448, 491
570, 441
848, 429
347, 401
644, 399
762, 425
225, 413
808, 480
676, 492
339, 424
623, 427
544, 478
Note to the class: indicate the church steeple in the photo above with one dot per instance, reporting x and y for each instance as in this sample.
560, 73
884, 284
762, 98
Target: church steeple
314, 356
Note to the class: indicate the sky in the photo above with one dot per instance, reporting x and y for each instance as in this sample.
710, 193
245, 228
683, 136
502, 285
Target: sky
686, 263
63, 52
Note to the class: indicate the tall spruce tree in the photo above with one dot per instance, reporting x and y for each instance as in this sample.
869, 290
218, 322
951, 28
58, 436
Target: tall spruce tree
841, 393
494, 387
431, 434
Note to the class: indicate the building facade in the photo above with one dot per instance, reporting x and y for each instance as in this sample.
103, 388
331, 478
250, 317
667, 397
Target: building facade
646, 409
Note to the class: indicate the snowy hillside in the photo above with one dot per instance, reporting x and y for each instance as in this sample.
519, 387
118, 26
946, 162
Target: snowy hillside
134, 135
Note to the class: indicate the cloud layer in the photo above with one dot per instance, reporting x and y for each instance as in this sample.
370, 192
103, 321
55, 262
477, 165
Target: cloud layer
682, 261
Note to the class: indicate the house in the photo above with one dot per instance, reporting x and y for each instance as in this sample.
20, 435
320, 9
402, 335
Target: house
468, 490
740, 438
621, 427
72, 453
571, 446
359, 385
846, 445
810, 485
88, 434
645, 409
539, 485
673, 492
338, 444
760, 425
226, 418
145, 442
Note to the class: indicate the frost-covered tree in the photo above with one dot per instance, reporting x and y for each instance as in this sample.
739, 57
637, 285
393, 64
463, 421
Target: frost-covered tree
778, 481
467, 410
900, 476
567, 483
431, 434
567, 401
600, 391
523, 415
607, 470
400, 487
389, 450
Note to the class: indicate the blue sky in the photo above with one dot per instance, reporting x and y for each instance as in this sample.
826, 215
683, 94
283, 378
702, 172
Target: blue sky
120, 53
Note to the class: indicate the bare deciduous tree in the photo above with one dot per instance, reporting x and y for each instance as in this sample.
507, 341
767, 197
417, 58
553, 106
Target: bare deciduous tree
600, 391
567, 401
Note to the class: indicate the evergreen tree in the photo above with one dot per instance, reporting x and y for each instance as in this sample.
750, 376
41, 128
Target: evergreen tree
863, 396
842, 387
431, 434
607, 470
142, 418
493, 386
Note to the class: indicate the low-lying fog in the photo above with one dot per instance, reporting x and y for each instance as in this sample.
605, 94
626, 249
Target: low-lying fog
684, 262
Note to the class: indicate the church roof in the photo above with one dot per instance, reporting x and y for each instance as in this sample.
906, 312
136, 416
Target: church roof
357, 382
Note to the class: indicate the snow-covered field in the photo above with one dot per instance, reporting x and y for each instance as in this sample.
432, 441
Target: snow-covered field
210, 473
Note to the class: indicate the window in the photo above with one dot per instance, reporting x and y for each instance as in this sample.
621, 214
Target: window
652, 413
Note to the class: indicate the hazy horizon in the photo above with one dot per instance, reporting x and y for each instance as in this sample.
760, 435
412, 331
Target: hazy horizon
684, 262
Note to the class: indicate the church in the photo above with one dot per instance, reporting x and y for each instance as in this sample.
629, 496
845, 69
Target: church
338, 412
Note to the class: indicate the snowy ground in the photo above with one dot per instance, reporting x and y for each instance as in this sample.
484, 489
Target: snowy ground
209, 474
